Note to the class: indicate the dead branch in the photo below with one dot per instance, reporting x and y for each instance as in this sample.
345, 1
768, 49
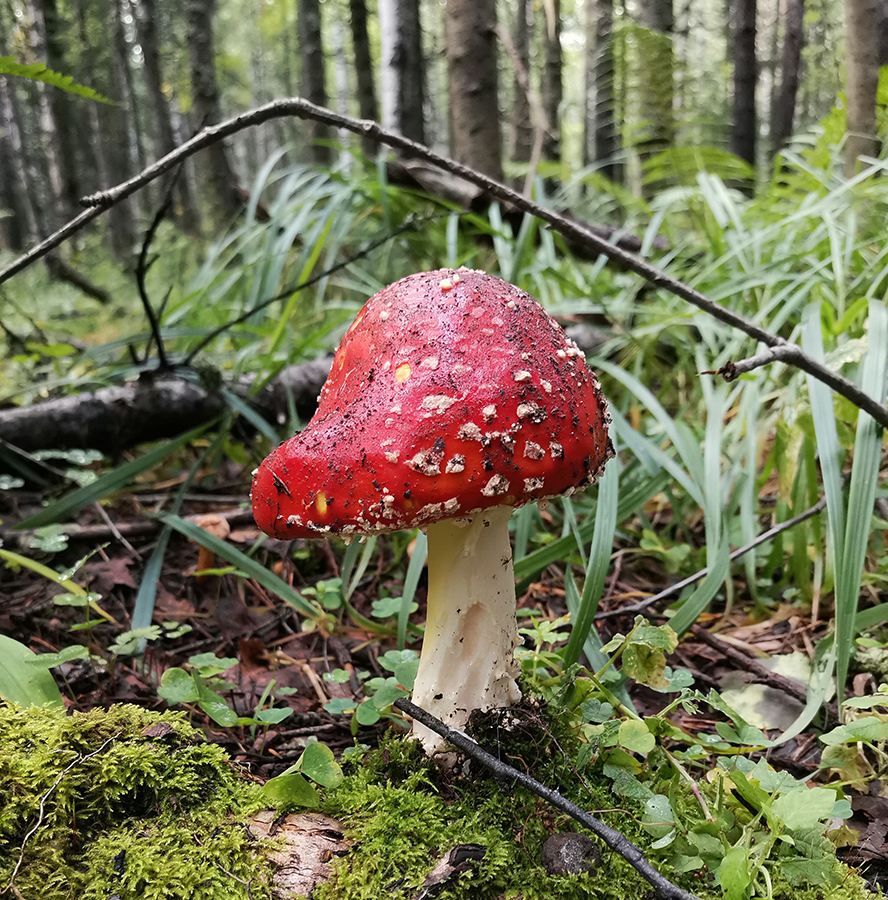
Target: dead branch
151, 409
569, 229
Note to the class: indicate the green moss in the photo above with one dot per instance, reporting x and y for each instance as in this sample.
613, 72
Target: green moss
402, 816
125, 812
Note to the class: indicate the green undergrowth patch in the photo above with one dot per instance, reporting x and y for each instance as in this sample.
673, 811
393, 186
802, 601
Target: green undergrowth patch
134, 804
403, 815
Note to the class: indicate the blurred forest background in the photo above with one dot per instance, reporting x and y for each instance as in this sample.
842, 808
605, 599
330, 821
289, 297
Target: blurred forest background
578, 90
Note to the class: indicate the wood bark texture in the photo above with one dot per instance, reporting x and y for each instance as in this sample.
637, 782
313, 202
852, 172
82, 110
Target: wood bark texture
783, 110
314, 82
365, 89
521, 123
862, 68
743, 119
551, 87
206, 105
470, 37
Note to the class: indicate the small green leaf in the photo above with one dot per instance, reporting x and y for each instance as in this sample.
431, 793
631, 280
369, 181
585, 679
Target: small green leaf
734, 874
291, 790
658, 818
319, 764
394, 658
867, 729
405, 673
595, 710
804, 809
22, 682
51, 660
177, 686
273, 716
367, 713
635, 736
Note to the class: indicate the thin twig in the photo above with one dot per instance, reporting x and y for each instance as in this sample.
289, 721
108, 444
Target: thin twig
41, 811
617, 842
679, 586
575, 231
761, 675
142, 267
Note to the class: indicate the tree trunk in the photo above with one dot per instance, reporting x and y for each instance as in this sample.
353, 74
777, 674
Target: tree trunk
471, 46
20, 225
656, 69
551, 87
366, 87
313, 81
862, 65
403, 74
114, 137
146, 16
783, 110
18, 228
206, 105
743, 121
67, 150
601, 142
521, 123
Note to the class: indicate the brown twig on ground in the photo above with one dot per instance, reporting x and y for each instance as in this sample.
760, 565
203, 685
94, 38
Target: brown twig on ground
611, 837
759, 674
573, 230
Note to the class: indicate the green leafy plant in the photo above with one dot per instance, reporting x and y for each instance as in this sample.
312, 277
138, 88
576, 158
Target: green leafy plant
201, 685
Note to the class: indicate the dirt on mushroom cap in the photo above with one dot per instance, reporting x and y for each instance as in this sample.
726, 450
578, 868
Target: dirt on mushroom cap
451, 392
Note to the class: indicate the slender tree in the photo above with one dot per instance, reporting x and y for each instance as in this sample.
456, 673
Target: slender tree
744, 122
67, 149
862, 67
145, 15
314, 81
783, 109
551, 87
601, 141
206, 106
471, 46
368, 108
403, 69
521, 122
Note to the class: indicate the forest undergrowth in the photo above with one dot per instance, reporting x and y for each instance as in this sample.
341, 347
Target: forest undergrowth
707, 621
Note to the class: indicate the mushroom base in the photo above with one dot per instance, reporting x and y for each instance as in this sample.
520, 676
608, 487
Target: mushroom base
468, 660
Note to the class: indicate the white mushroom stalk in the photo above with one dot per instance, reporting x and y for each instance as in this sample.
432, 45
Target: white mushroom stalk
468, 659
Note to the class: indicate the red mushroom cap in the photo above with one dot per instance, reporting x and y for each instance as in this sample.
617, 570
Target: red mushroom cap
451, 392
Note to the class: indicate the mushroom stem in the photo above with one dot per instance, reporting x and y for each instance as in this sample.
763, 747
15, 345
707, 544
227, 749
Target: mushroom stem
471, 632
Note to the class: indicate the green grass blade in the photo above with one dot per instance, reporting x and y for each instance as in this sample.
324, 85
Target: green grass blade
830, 454
862, 494
110, 482
250, 567
411, 580
583, 621
690, 610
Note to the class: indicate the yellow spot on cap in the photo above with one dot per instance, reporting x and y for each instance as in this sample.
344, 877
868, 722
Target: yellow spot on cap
321, 503
402, 373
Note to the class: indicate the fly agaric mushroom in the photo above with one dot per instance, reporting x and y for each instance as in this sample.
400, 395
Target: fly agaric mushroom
453, 398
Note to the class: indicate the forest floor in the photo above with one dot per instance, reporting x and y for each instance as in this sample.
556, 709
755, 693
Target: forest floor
269, 655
